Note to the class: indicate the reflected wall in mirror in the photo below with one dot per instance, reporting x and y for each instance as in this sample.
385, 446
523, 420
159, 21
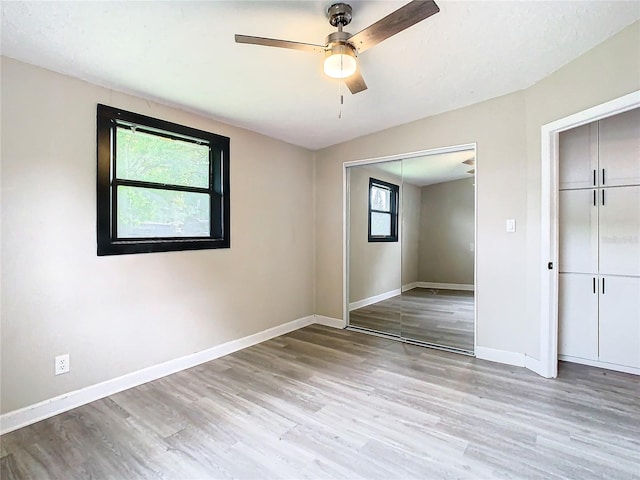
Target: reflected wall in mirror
420, 287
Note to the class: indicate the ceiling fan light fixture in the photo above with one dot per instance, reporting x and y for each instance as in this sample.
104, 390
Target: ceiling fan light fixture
340, 62
340, 47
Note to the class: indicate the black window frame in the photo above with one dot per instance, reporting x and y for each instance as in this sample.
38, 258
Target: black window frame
393, 211
108, 120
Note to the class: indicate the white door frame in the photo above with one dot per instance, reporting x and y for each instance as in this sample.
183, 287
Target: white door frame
345, 218
549, 221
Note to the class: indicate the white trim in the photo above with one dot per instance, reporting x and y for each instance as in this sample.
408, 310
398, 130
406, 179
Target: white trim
533, 364
549, 221
329, 321
48, 408
596, 363
475, 250
500, 356
345, 244
375, 299
445, 286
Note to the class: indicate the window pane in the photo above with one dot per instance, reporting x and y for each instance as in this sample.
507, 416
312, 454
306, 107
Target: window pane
380, 224
150, 158
148, 213
380, 198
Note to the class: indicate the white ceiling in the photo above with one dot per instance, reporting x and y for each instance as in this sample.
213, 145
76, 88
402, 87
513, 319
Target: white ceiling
183, 53
429, 169
443, 167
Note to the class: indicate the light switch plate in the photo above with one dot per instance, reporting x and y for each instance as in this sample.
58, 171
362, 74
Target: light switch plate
511, 225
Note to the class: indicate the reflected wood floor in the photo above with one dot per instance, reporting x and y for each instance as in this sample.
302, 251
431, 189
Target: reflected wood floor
440, 317
328, 403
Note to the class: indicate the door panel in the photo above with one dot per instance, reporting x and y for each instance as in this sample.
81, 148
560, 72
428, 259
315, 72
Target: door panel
578, 229
374, 267
620, 320
619, 149
438, 255
620, 231
578, 316
579, 157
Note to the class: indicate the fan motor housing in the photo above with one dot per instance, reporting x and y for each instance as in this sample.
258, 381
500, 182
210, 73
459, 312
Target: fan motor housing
337, 37
339, 14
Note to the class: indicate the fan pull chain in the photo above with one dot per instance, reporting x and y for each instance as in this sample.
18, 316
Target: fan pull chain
341, 97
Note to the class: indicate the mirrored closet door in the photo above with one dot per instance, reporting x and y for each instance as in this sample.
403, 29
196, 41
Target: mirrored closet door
375, 257
411, 249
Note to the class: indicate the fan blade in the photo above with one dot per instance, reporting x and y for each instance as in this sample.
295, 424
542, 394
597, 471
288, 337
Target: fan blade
355, 82
272, 42
401, 19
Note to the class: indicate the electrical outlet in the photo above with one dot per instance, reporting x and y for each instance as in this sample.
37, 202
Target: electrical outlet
62, 364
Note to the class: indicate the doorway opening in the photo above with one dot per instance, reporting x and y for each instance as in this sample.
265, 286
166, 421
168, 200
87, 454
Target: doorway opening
548, 365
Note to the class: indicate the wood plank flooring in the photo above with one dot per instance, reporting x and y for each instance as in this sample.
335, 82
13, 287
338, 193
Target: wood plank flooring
439, 317
328, 403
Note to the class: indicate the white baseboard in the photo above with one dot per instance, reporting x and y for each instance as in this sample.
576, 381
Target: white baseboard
375, 299
443, 286
406, 288
329, 321
48, 408
500, 356
410, 286
596, 363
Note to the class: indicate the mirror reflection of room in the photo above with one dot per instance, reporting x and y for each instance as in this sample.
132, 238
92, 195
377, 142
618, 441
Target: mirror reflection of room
419, 287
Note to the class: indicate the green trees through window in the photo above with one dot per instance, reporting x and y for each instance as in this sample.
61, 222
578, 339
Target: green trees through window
149, 212
161, 186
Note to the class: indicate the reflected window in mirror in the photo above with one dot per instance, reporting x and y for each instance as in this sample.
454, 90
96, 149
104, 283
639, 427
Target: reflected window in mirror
383, 211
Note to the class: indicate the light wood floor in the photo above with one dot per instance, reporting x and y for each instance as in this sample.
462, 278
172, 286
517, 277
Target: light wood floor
328, 403
439, 317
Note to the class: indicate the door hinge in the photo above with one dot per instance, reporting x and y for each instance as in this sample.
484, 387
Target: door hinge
550, 265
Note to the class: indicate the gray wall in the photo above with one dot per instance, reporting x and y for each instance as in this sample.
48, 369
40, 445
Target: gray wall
411, 200
118, 314
507, 132
446, 232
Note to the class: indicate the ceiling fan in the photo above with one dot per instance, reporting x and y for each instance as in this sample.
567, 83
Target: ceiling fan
341, 48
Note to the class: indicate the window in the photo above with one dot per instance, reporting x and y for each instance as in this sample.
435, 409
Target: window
383, 211
161, 186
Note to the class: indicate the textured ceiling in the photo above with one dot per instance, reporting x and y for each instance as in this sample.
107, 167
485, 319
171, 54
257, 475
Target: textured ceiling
183, 53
